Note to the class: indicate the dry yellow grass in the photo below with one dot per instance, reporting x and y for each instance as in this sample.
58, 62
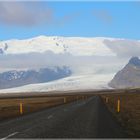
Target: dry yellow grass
10, 107
129, 115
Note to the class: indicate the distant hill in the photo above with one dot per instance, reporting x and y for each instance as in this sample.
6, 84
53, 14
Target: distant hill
16, 78
92, 60
129, 76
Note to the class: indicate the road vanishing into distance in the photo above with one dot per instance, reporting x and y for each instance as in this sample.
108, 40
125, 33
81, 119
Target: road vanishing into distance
80, 119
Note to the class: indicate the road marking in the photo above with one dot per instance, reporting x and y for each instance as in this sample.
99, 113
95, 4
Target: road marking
64, 109
49, 117
10, 135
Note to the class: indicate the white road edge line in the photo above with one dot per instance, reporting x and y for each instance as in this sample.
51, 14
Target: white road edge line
10, 135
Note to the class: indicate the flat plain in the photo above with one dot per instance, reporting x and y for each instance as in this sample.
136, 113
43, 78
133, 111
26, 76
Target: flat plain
128, 117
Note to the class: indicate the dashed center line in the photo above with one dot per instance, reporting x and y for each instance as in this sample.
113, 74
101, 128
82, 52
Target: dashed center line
10, 135
65, 110
49, 117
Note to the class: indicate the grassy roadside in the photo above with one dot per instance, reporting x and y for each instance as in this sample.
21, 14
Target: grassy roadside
10, 107
129, 115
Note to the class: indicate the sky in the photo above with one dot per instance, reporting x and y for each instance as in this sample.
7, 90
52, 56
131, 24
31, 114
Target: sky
21, 20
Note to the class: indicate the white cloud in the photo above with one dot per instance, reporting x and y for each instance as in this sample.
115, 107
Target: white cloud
124, 48
78, 64
24, 13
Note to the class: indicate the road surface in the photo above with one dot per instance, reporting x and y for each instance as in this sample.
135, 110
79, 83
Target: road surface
81, 119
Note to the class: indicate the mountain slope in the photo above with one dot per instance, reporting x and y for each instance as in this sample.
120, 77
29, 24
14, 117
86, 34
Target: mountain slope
19, 78
83, 46
85, 57
72, 45
129, 76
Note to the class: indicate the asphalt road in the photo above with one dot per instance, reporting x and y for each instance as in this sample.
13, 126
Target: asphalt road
81, 119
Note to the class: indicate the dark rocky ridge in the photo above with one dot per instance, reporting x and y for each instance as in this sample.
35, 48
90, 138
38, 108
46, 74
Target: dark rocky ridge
129, 76
134, 61
15, 78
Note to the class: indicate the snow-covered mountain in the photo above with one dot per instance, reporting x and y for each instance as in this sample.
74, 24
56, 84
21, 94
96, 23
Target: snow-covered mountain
72, 45
97, 58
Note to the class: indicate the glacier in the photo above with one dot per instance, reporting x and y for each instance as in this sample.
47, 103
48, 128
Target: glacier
93, 60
